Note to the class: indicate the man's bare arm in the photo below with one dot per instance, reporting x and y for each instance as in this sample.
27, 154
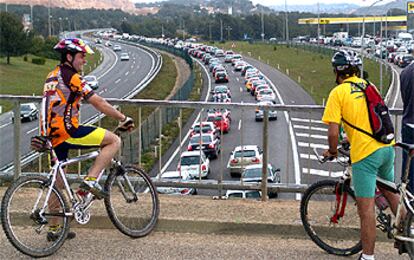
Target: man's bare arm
103, 106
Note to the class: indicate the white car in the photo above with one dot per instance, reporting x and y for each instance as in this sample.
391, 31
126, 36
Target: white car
243, 194
191, 162
176, 176
266, 94
243, 156
124, 56
117, 48
92, 81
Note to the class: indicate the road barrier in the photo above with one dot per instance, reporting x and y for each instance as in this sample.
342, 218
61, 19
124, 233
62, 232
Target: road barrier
202, 107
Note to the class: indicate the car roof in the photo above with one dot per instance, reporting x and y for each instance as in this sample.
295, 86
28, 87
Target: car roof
246, 147
191, 153
255, 166
170, 174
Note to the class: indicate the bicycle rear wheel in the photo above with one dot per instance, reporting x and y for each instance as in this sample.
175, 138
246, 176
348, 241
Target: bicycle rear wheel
24, 226
132, 204
409, 232
317, 208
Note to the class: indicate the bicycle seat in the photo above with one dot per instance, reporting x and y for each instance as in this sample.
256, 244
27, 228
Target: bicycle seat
407, 147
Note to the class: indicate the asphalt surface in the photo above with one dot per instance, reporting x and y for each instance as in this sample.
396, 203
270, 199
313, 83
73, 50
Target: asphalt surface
116, 78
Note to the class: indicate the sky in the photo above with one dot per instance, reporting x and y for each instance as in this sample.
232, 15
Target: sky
302, 2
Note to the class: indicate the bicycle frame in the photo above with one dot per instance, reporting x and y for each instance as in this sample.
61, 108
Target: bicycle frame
58, 169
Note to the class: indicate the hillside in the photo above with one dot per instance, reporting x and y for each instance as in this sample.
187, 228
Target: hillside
124, 5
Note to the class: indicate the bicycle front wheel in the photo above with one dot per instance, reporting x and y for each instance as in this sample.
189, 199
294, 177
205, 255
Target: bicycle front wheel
132, 204
24, 224
319, 207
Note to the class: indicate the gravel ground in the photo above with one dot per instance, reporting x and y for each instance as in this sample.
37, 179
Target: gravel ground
110, 244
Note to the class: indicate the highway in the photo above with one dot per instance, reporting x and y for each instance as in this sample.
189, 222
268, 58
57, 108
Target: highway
117, 78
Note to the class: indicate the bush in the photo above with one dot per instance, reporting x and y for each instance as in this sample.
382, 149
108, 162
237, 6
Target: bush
39, 61
25, 58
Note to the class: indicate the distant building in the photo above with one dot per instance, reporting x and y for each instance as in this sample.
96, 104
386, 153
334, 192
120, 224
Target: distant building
230, 10
27, 22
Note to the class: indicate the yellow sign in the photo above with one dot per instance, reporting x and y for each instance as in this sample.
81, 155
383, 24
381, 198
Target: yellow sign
410, 7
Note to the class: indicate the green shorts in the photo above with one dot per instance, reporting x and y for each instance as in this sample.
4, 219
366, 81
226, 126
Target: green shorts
365, 172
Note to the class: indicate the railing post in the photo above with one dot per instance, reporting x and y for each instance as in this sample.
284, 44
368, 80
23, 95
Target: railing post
265, 153
17, 129
139, 135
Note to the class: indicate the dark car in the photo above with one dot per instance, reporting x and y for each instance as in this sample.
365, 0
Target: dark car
405, 61
221, 76
209, 143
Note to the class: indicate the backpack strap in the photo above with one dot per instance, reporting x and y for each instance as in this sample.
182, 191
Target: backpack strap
351, 125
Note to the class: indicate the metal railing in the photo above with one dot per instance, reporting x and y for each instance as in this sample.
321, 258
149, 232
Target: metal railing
201, 107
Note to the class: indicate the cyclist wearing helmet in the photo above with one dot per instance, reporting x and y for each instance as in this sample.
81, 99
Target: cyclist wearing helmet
63, 90
369, 157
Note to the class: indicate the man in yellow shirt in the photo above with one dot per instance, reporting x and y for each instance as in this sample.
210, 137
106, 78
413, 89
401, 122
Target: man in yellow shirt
369, 157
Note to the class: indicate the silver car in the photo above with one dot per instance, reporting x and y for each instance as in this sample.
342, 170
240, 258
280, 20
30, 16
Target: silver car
243, 156
92, 81
253, 173
176, 176
28, 112
259, 114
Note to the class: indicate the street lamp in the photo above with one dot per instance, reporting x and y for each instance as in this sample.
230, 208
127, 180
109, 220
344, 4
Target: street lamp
363, 35
49, 17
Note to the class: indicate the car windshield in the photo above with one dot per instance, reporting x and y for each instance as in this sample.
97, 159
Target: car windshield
255, 173
236, 195
266, 92
25, 108
220, 90
218, 118
190, 160
89, 78
204, 128
246, 153
196, 139
253, 194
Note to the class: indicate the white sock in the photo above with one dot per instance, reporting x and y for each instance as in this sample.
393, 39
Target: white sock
367, 257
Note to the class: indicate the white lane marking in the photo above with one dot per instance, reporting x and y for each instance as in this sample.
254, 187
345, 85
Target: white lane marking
311, 145
240, 124
126, 73
117, 81
132, 66
196, 120
311, 128
134, 62
237, 79
241, 89
113, 65
138, 67
307, 120
323, 137
292, 136
323, 173
3, 126
31, 131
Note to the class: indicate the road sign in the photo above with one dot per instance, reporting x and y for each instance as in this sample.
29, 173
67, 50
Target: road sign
410, 7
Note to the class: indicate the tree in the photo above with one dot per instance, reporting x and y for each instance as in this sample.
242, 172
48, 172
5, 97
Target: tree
13, 39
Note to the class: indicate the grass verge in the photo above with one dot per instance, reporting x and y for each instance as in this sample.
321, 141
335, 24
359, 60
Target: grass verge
309, 69
22, 77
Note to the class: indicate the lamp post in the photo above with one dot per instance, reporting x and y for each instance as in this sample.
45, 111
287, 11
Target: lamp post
49, 20
262, 20
287, 24
363, 35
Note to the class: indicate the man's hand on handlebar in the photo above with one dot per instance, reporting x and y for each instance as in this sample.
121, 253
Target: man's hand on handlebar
329, 155
126, 125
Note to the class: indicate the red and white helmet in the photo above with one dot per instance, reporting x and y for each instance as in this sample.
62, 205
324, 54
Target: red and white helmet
73, 45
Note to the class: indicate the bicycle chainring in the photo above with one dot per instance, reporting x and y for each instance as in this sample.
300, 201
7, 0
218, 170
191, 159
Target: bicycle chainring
81, 216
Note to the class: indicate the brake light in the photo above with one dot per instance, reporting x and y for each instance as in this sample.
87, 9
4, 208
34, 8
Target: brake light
179, 167
203, 167
234, 161
185, 191
189, 148
211, 146
255, 160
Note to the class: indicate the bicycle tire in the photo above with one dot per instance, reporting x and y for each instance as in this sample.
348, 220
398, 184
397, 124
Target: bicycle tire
409, 232
123, 214
9, 217
316, 220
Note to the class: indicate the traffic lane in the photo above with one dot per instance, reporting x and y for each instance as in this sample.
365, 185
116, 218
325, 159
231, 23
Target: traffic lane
292, 93
111, 244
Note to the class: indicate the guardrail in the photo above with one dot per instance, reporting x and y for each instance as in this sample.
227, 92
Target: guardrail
198, 106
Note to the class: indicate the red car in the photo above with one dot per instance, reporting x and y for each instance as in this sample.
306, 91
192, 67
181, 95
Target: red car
221, 121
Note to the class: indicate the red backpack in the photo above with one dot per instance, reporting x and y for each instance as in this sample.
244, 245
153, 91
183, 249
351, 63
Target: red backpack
379, 116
